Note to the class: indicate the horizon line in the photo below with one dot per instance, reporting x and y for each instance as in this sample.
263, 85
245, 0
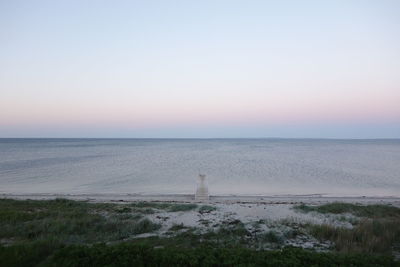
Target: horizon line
206, 138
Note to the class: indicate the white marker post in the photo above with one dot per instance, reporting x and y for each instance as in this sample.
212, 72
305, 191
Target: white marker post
202, 189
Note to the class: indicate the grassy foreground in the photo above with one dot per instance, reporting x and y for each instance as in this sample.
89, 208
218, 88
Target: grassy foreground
74, 233
377, 230
128, 254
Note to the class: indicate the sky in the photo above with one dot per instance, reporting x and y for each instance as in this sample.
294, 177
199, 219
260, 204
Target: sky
200, 69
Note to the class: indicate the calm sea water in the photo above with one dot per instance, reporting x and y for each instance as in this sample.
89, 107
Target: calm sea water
233, 166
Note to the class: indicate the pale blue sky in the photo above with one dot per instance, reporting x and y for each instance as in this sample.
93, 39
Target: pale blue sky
200, 69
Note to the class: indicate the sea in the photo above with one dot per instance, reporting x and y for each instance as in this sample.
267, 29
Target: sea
270, 167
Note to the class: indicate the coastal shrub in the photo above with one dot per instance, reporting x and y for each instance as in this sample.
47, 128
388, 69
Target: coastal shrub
370, 211
376, 236
145, 211
28, 254
124, 210
177, 227
292, 233
143, 205
182, 207
68, 221
207, 208
128, 254
273, 237
171, 207
144, 226
191, 238
225, 236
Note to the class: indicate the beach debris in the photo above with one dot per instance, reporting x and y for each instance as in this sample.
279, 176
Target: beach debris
202, 189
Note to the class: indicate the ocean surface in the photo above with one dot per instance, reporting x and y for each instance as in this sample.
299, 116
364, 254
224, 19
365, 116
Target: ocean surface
171, 166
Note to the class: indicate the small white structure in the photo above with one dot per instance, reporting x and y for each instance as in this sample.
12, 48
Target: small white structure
202, 189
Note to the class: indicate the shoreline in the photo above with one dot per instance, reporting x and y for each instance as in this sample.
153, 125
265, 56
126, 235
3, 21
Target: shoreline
313, 199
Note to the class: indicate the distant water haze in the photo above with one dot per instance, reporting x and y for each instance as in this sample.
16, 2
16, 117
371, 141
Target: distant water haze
171, 166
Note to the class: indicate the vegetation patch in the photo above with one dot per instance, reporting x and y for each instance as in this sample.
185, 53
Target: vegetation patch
170, 207
207, 209
225, 236
377, 232
292, 233
273, 237
182, 207
205, 222
370, 211
130, 254
69, 221
371, 236
177, 227
42, 231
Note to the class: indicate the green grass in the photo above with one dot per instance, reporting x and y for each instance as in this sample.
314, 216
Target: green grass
370, 211
129, 254
182, 207
177, 227
273, 237
207, 209
77, 222
370, 236
377, 232
69, 221
229, 235
169, 207
233, 232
